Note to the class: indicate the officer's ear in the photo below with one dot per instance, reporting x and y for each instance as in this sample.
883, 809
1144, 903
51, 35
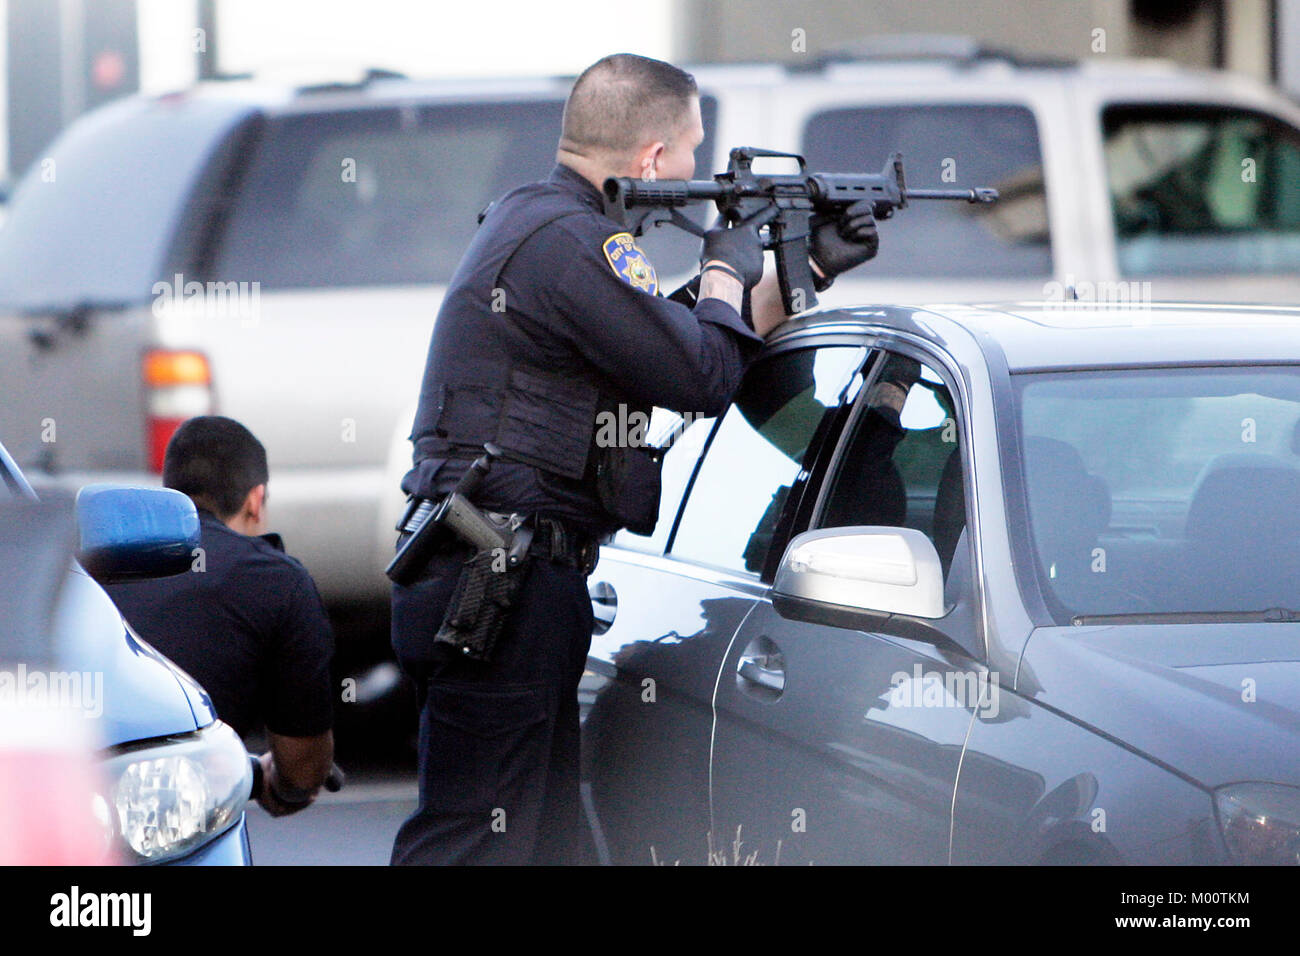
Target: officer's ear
649, 158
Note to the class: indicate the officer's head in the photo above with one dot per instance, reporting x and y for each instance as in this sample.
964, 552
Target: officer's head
629, 115
222, 467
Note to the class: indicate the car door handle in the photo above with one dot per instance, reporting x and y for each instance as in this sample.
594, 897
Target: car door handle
756, 670
604, 605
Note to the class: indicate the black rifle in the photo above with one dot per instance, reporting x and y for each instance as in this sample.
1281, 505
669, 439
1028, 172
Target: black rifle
739, 194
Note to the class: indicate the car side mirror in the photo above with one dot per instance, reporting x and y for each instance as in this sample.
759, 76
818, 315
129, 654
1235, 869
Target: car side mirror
854, 577
128, 533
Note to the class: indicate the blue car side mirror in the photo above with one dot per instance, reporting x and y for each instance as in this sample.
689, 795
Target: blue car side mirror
128, 533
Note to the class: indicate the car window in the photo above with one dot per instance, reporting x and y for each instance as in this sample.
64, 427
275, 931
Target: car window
375, 196
947, 146
901, 463
1202, 189
758, 451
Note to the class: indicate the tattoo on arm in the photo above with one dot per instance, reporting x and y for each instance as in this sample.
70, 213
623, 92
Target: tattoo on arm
719, 285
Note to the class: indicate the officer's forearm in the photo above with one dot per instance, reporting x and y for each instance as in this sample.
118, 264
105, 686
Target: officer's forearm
765, 304
716, 284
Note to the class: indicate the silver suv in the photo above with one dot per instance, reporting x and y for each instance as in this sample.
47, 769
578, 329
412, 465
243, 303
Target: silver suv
278, 255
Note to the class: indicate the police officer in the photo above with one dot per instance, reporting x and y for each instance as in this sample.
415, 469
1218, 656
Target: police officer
551, 323
246, 621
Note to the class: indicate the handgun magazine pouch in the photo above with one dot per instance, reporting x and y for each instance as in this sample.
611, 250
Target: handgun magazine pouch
481, 603
628, 479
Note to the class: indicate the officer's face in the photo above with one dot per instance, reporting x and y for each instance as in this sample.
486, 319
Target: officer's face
677, 161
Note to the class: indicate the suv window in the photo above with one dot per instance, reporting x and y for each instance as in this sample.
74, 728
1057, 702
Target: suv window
91, 222
1202, 189
379, 196
757, 453
952, 146
901, 465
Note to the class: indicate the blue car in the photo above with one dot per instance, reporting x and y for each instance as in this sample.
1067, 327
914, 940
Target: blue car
168, 780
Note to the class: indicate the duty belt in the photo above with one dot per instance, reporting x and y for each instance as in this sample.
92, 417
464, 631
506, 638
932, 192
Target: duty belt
552, 541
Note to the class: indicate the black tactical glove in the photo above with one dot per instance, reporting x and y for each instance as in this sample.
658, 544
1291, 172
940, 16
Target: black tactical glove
838, 243
740, 246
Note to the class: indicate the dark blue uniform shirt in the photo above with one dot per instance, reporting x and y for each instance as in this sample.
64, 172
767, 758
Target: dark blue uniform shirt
250, 628
576, 301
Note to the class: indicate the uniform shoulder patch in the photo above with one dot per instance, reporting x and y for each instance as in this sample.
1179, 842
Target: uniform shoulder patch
630, 263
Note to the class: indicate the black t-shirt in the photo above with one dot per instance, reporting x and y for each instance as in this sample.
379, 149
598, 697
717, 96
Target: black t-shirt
248, 624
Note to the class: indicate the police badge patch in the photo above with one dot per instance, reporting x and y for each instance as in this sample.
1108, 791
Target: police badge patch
629, 263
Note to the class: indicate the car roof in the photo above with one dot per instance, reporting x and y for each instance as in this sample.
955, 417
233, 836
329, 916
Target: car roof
1044, 336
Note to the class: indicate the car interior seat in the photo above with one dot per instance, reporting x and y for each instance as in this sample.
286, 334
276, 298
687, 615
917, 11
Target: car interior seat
1069, 508
1243, 535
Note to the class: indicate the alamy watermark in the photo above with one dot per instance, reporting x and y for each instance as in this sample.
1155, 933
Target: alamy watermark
1127, 295
624, 428
971, 690
53, 690
212, 300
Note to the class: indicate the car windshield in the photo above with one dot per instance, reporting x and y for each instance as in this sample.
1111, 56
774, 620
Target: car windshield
1163, 491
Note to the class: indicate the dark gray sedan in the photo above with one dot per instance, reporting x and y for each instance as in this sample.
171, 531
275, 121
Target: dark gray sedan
1013, 584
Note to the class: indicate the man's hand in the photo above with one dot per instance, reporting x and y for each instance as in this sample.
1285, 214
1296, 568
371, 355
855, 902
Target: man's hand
293, 771
839, 243
270, 798
739, 248
896, 381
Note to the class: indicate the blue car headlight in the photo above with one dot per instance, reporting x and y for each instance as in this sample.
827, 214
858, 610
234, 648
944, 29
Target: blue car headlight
1260, 822
167, 799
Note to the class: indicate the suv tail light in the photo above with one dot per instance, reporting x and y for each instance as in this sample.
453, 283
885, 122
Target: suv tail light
178, 386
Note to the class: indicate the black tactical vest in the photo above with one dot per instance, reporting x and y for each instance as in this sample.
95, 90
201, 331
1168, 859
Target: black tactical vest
483, 381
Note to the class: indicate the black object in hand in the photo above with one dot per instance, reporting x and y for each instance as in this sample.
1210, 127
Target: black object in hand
739, 246
839, 243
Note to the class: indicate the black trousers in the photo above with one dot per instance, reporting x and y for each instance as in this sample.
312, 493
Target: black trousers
499, 741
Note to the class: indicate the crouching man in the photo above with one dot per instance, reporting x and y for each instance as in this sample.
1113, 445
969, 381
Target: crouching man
246, 621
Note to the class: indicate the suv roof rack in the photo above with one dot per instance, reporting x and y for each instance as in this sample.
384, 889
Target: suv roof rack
961, 50
371, 75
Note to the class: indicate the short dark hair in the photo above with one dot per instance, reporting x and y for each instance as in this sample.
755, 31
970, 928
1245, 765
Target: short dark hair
216, 461
624, 100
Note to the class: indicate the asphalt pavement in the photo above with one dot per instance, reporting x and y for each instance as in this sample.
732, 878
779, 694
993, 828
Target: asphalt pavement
354, 827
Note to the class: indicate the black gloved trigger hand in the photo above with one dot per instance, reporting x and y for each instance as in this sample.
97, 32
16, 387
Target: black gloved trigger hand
739, 246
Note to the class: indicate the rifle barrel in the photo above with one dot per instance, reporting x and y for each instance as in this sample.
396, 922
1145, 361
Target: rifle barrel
980, 194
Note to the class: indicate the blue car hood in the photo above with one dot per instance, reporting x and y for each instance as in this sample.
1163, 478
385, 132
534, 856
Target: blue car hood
1219, 703
130, 690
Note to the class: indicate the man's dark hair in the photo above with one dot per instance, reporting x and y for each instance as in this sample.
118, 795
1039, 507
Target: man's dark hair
623, 101
216, 461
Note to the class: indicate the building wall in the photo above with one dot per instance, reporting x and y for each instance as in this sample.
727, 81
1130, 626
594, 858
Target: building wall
735, 30
1187, 32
